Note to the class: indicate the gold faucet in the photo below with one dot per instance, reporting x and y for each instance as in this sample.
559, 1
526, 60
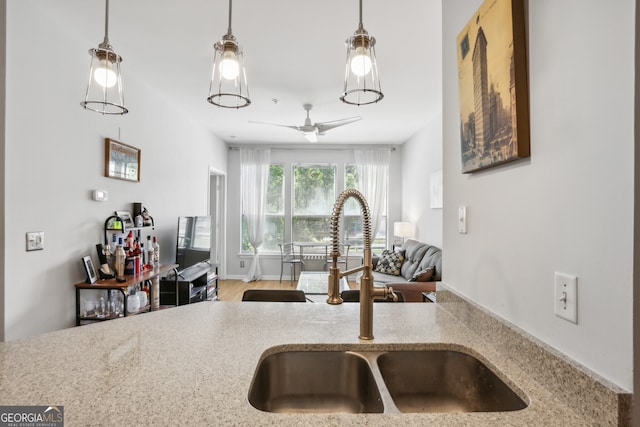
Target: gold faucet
367, 291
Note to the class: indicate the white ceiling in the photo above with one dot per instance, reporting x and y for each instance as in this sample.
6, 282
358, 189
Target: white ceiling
294, 52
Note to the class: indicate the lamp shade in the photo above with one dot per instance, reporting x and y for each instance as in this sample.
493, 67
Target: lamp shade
104, 87
402, 229
228, 87
361, 80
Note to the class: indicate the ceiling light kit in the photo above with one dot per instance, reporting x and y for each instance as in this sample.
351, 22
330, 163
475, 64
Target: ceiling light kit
228, 87
104, 88
361, 79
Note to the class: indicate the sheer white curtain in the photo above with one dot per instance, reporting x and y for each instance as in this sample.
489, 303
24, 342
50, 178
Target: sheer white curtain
373, 171
254, 175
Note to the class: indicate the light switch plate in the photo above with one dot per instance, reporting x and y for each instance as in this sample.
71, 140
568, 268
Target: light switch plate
462, 220
566, 297
35, 240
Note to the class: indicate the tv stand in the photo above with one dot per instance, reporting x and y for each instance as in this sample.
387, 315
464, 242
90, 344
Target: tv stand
194, 284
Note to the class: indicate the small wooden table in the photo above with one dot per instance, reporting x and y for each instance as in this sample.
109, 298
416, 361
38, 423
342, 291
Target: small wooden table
122, 287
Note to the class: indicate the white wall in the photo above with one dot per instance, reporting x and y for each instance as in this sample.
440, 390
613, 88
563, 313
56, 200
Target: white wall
569, 208
270, 263
421, 157
55, 157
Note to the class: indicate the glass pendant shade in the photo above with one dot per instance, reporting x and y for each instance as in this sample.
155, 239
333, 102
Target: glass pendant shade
228, 87
361, 79
104, 86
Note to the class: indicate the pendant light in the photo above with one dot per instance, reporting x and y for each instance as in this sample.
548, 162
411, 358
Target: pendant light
228, 87
361, 80
104, 88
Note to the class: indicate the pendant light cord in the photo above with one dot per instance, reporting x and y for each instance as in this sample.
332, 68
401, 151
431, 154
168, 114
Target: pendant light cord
228, 29
360, 26
106, 23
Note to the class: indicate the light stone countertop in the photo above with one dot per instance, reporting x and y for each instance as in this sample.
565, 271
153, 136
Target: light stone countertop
193, 365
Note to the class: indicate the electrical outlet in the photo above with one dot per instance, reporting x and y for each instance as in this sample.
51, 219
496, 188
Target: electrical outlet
241, 264
35, 240
566, 297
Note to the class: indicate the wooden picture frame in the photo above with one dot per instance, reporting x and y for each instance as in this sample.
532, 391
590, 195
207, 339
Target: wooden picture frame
92, 277
493, 88
121, 161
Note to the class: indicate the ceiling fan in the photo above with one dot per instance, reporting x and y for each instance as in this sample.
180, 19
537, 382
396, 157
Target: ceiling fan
311, 130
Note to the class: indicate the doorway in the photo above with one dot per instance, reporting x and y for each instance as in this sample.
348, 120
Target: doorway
217, 187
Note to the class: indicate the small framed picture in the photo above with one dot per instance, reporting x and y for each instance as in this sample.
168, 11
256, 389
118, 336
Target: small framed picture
121, 161
125, 216
90, 270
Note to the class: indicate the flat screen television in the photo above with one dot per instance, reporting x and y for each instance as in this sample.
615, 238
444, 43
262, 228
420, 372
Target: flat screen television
194, 241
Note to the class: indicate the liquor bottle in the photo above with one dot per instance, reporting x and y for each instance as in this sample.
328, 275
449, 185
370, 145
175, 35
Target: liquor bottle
156, 252
149, 247
143, 254
155, 293
130, 240
109, 257
120, 258
114, 243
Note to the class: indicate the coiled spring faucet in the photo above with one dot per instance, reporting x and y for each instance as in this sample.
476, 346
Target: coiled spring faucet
367, 291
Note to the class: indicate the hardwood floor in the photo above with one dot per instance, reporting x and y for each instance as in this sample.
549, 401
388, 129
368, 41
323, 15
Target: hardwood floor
232, 290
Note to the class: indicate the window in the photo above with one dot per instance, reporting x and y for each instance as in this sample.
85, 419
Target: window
314, 194
274, 222
313, 189
352, 228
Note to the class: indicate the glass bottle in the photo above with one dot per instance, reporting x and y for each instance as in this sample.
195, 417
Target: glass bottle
156, 252
120, 259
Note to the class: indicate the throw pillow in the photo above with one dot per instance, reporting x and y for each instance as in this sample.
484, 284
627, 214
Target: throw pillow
423, 275
389, 262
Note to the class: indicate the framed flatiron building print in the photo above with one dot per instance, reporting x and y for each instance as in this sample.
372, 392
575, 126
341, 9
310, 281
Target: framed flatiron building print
492, 79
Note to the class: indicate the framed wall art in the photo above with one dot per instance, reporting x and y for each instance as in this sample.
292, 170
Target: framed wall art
121, 161
492, 80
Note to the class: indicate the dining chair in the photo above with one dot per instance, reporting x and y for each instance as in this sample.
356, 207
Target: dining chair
353, 295
288, 256
342, 259
274, 295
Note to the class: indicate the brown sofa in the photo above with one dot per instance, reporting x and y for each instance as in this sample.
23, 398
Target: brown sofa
418, 257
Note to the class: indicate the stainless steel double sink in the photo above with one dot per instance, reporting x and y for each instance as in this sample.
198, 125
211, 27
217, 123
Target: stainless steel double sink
393, 381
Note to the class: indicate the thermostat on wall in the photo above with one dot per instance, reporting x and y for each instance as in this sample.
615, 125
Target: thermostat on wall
100, 195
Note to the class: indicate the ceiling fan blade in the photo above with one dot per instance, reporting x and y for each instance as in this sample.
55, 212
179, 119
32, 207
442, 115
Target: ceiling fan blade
298, 128
325, 126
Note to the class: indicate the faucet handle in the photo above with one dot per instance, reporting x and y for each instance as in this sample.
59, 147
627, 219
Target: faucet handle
390, 292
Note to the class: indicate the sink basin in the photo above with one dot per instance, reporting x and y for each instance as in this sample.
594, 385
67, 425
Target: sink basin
315, 382
392, 381
444, 381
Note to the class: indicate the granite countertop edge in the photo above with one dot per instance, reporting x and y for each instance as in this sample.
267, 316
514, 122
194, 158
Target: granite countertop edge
193, 365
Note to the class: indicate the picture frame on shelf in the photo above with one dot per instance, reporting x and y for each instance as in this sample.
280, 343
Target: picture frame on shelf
121, 161
92, 277
126, 218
